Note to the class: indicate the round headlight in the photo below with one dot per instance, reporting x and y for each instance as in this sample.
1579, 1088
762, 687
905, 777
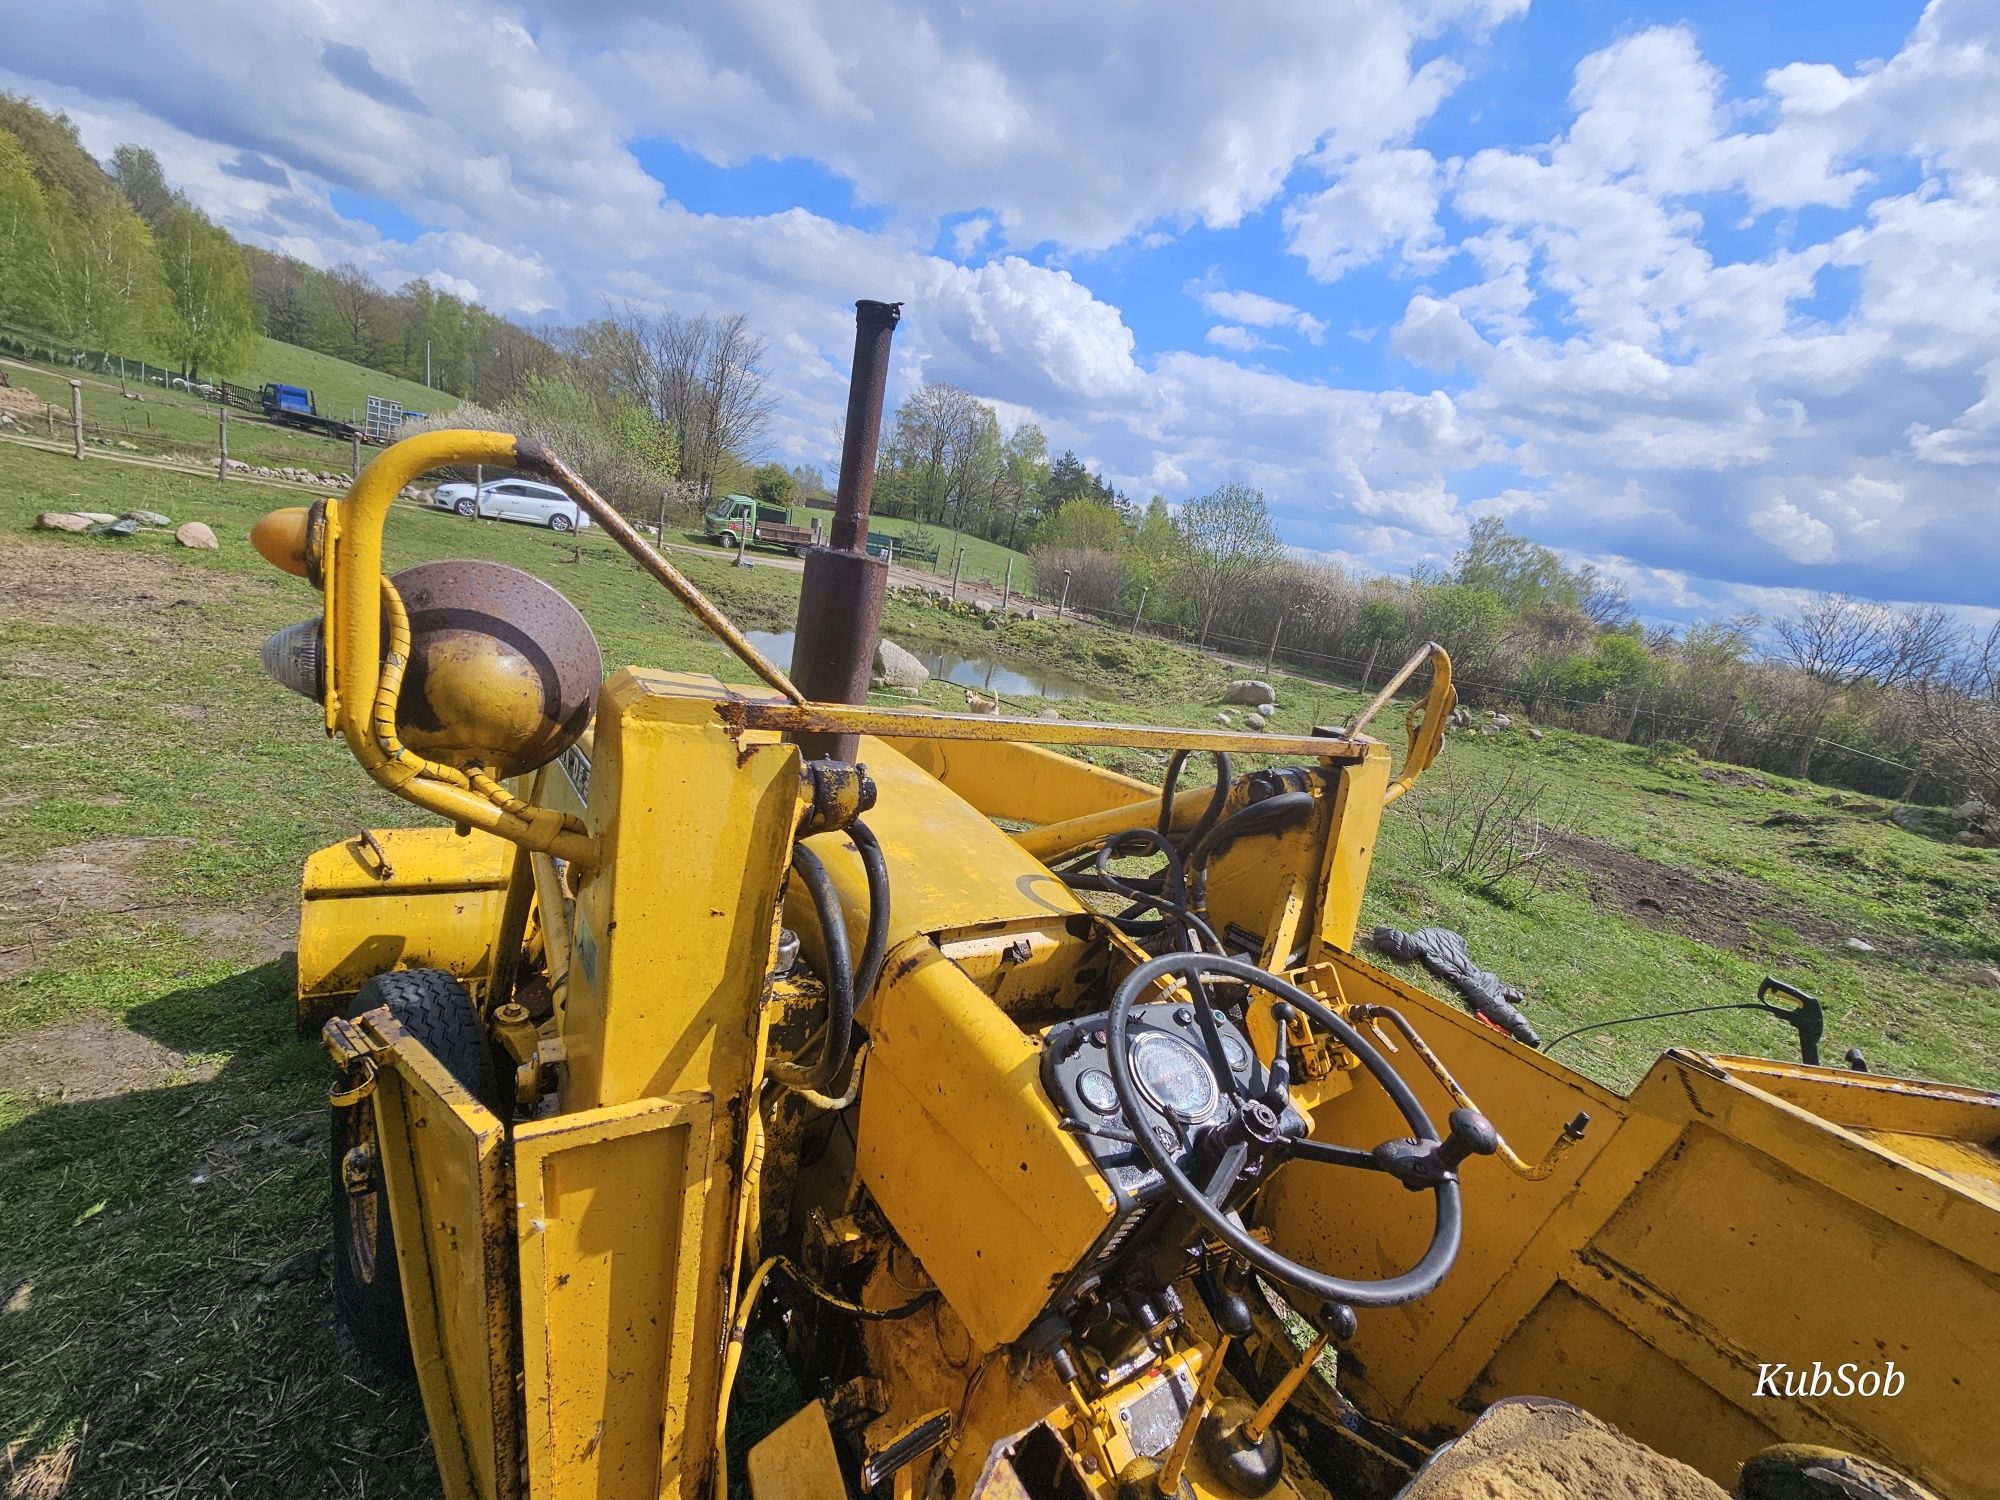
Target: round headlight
1173, 1076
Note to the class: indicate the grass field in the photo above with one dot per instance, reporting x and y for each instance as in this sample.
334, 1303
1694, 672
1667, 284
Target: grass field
177, 425
164, 1319
985, 561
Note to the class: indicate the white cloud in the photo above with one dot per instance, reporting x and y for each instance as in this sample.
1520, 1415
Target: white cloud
968, 235
1255, 309
1242, 340
1799, 534
1200, 117
1380, 201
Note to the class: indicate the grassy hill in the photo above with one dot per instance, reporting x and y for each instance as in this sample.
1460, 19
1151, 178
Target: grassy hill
339, 388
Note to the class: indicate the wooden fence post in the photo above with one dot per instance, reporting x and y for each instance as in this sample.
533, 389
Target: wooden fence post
1369, 670
1139, 613
1271, 655
76, 414
222, 440
355, 473
1063, 603
956, 563
1007, 588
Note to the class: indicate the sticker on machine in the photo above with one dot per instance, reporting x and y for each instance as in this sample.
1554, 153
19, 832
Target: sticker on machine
576, 766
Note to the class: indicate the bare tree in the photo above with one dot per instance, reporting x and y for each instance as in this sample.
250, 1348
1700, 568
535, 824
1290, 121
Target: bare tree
1838, 643
699, 375
1229, 540
1960, 710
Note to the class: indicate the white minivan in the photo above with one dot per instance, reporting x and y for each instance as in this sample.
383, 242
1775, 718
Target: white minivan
513, 500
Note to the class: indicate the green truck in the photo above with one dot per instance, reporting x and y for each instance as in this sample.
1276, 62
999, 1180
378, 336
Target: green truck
756, 523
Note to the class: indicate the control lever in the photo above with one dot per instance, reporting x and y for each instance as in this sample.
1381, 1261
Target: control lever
1806, 1018
1336, 1321
1277, 1090
1232, 1317
1421, 1165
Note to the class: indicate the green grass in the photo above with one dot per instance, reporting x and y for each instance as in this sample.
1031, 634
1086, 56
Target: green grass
340, 389
985, 561
177, 425
164, 1324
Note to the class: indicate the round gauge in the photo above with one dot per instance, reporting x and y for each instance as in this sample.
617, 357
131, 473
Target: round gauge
1096, 1090
1235, 1051
1172, 1074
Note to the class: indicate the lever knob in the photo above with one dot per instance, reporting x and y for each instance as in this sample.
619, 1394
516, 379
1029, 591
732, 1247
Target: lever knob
1472, 1134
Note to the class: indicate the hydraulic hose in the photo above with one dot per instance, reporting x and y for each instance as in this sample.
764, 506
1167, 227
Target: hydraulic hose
1267, 816
875, 945
839, 978
1209, 814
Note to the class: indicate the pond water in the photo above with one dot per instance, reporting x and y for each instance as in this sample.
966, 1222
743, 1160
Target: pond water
1018, 680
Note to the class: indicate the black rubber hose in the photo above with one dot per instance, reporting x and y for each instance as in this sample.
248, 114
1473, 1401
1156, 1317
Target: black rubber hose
839, 977
1209, 814
875, 946
1267, 816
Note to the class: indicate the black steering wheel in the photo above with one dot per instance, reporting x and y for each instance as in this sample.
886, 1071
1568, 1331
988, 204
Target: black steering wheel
1252, 1131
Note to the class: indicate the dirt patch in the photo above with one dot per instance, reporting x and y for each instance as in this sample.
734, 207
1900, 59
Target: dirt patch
259, 1147
99, 581
100, 876
90, 1057
40, 1476
20, 402
1718, 910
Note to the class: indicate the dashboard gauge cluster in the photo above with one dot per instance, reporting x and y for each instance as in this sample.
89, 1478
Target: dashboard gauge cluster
1178, 1087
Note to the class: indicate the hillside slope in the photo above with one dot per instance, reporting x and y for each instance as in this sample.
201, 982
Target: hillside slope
340, 389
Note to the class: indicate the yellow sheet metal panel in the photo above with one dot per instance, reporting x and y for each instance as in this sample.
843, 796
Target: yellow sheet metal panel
1364, 1224
953, 869
1571, 1349
1026, 783
444, 1165
437, 907
797, 1462
1350, 851
674, 931
608, 1223
965, 1156
673, 934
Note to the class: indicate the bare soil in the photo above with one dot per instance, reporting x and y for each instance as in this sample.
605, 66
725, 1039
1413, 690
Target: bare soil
91, 1056
1717, 910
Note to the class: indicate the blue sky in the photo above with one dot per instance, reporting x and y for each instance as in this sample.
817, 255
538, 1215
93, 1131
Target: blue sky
1706, 294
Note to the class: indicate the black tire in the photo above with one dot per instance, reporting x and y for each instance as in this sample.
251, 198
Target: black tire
367, 1289
559, 522
467, 507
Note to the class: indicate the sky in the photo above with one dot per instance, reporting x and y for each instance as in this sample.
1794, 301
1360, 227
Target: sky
1706, 294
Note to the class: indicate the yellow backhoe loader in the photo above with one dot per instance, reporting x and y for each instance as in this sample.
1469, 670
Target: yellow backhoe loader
1041, 1125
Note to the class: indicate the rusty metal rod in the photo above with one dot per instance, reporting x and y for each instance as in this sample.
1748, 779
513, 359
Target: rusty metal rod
1402, 675
536, 456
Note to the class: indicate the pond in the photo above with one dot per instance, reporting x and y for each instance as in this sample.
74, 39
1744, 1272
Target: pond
1020, 680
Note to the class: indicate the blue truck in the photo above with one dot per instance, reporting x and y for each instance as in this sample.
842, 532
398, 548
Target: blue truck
293, 406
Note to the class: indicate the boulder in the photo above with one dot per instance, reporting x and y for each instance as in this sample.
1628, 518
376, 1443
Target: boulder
1267, 709
149, 518
97, 517
1534, 734
128, 447
1047, 713
1253, 721
197, 534
62, 520
1860, 945
1910, 819
1987, 975
1501, 721
1248, 690
897, 669
1224, 720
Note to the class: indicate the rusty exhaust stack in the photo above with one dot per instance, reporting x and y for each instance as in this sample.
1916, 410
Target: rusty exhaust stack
840, 601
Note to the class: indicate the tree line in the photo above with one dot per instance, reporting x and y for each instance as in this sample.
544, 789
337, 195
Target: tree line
110, 257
